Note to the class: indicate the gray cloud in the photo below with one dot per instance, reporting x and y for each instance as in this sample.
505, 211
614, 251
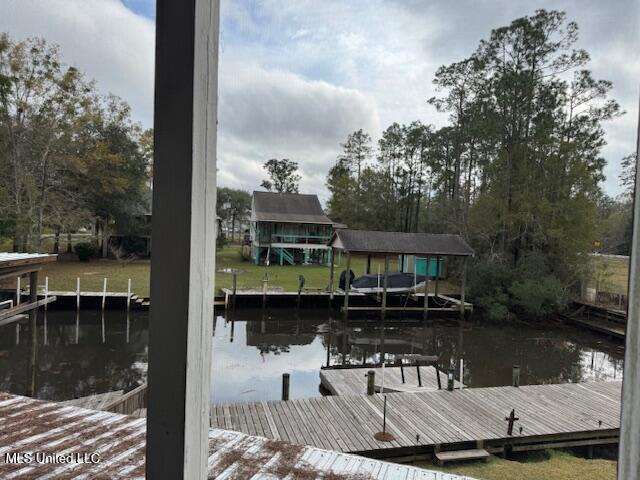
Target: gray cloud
274, 114
102, 38
296, 77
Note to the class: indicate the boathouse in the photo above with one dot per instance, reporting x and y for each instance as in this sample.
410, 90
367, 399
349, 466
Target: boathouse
409, 248
289, 228
16, 266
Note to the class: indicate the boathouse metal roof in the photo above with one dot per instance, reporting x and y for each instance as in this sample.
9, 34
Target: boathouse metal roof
11, 260
287, 207
30, 425
364, 241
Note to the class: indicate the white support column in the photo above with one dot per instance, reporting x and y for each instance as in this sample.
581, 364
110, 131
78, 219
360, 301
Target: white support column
629, 451
184, 217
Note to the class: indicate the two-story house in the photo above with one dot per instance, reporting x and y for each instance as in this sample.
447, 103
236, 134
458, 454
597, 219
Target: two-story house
289, 228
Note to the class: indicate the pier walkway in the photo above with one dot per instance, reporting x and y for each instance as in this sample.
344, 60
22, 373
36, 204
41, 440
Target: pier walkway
353, 381
547, 416
118, 441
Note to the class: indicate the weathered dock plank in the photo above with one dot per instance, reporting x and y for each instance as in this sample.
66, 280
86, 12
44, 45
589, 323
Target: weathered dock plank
565, 414
36, 426
353, 381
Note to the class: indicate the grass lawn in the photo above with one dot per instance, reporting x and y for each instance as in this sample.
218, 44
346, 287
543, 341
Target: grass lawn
554, 465
610, 274
62, 275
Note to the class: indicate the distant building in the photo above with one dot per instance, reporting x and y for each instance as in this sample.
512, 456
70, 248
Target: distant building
289, 228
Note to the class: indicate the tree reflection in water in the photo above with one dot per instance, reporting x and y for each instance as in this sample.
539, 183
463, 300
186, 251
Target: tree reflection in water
253, 348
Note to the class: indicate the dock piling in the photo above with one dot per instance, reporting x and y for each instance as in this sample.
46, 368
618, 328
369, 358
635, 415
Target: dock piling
104, 293
128, 295
371, 381
18, 293
418, 372
516, 376
450, 380
463, 287
461, 373
265, 283
234, 288
46, 292
401, 369
347, 287
285, 386
301, 282
575, 372
331, 272
438, 376
78, 293
385, 285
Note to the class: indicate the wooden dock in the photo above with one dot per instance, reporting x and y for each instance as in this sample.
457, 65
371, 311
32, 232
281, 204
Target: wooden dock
353, 381
548, 416
613, 329
118, 441
362, 303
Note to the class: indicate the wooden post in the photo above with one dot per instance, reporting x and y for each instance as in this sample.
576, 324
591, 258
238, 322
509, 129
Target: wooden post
285, 386
301, 282
368, 269
575, 372
401, 364
234, 288
33, 315
463, 287
128, 297
33, 289
347, 287
450, 380
418, 373
438, 260
46, 294
18, 292
104, 293
329, 341
78, 293
371, 382
461, 373
265, 286
425, 313
183, 238
331, 272
438, 376
385, 285
516, 376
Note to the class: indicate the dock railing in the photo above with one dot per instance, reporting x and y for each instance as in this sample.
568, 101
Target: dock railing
130, 402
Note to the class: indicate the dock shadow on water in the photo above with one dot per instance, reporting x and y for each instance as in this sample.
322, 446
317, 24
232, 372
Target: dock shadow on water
79, 356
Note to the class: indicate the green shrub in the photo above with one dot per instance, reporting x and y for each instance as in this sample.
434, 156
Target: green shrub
531, 289
85, 251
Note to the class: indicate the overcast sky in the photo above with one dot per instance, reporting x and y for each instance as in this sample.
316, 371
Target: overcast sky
296, 77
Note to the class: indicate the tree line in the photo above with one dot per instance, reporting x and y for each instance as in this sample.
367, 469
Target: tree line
516, 170
71, 158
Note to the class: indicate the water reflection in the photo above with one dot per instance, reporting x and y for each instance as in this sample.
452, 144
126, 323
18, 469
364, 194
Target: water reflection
73, 358
93, 352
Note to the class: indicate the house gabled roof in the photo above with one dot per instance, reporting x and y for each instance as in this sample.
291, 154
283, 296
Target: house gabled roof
287, 207
363, 241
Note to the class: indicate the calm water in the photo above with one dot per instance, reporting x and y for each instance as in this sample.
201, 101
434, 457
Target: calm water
252, 350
